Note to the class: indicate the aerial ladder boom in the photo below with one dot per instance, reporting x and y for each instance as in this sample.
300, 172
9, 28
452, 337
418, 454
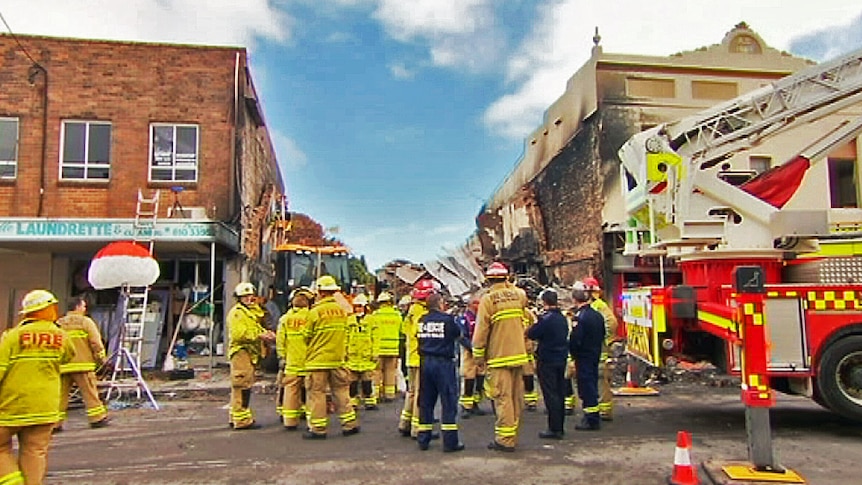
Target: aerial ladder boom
676, 167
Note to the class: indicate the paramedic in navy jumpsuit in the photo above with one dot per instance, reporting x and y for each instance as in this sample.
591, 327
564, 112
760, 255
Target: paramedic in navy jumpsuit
437, 335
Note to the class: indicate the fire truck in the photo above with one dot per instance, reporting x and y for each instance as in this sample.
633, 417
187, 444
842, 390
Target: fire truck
692, 200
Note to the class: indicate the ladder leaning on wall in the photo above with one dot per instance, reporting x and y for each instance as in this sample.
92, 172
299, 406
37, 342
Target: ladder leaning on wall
135, 300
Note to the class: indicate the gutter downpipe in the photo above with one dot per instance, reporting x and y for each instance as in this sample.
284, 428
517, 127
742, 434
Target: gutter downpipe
34, 70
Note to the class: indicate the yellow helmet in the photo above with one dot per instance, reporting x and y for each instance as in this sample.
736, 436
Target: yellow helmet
384, 297
244, 289
327, 283
37, 300
302, 290
360, 300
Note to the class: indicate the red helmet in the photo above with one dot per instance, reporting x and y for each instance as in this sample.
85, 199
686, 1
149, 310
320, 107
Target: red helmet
422, 289
497, 270
592, 283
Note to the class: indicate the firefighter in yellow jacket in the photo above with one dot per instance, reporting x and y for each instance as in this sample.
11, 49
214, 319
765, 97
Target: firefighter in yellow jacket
499, 342
386, 325
246, 347
326, 338
531, 393
360, 355
30, 358
606, 366
89, 355
290, 347
409, 424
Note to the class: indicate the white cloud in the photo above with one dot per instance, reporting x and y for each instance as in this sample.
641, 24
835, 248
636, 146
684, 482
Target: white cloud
400, 71
561, 39
460, 33
290, 156
215, 22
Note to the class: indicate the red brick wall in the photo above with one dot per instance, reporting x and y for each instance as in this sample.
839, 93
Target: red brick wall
131, 85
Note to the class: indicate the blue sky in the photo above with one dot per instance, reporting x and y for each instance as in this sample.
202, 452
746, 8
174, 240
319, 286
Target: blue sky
394, 120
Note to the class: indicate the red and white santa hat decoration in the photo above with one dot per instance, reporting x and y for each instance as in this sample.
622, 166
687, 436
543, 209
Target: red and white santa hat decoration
122, 263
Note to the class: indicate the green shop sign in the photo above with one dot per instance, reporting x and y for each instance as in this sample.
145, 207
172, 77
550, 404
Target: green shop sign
13, 229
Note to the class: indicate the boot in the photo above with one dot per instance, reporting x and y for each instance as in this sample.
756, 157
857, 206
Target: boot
589, 424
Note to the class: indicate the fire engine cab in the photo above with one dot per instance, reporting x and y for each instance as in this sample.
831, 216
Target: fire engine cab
771, 264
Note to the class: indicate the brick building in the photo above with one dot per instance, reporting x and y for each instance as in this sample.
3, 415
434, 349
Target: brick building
85, 124
559, 215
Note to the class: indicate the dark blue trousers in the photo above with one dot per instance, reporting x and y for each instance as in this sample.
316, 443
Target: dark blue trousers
587, 372
438, 379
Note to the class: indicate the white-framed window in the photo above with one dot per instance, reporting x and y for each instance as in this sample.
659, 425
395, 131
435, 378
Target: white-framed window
8, 148
85, 150
174, 152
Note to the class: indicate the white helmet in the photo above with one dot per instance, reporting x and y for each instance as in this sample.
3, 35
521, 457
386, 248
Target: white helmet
244, 289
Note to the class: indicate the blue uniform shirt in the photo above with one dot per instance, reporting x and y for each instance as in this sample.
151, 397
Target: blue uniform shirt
551, 332
588, 336
437, 334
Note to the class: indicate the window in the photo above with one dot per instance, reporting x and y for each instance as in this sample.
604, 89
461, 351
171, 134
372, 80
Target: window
85, 153
173, 153
842, 183
8, 148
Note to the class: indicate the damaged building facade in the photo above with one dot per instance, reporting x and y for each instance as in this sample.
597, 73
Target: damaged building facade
559, 215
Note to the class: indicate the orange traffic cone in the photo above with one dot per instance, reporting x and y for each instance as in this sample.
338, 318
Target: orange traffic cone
632, 388
684, 472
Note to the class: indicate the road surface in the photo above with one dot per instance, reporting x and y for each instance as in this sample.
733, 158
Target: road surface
188, 442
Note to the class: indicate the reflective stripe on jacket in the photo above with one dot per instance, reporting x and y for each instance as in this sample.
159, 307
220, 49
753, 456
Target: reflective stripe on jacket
245, 330
499, 335
386, 324
87, 341
30, 358
409, 328
360, 357
325, 335
290, 340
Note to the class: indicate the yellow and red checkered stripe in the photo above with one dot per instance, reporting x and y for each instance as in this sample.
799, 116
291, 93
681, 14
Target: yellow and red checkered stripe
823, 299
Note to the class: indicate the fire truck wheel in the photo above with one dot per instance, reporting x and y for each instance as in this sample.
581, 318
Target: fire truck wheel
839, 378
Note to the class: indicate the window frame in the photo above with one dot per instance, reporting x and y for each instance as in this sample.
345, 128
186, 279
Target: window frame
173, 167
86, 164
836, 189
13, 163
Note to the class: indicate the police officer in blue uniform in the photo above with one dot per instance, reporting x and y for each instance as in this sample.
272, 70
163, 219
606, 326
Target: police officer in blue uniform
585, 346
437, 334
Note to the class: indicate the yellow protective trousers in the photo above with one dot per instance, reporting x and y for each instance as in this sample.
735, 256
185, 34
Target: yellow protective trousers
32, 462
508, 395
86, 382
241, 382
338, 380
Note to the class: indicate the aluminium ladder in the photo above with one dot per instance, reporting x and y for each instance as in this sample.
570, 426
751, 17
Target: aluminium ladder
135, 301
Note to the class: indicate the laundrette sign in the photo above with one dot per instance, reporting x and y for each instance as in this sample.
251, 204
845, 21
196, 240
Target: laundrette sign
99, 230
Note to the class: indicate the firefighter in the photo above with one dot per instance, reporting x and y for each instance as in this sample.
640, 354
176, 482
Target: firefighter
436, 335
585, 347
89, 355
499, 341
386, 323
31, 355
360, 355
551, 333
531, 394
290, 346
606, 366
570, 402
409, 424
326, 340
474, 376
247, 338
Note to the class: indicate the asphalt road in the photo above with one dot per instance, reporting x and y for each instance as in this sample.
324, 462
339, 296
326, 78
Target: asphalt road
188, 442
